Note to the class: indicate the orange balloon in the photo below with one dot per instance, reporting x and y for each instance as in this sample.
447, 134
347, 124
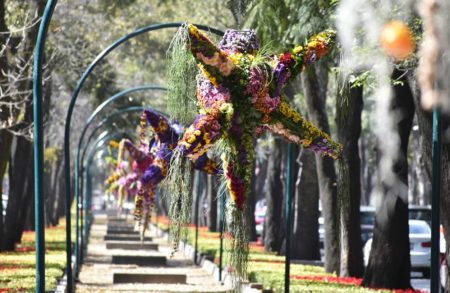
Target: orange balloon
396, 39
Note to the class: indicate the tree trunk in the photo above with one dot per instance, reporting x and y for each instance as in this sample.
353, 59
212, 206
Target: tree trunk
424, 119
389, 262
305, 238
212, 203
349, 106
20, 193
274, 202
58, 203
326, 172
5, 136
5, 146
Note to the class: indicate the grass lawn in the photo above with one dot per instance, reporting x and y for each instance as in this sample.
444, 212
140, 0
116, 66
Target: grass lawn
17, 269
268, 268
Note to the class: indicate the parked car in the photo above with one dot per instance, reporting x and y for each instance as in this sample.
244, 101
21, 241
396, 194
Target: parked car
4, 203
420, 213
442, 249
420, 246
260, 213
367, 224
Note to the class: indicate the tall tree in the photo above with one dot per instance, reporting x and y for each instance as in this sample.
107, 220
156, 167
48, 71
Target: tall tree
389, 262
274, 195
21, 162
305, 238
5, 136
212, 195
326, 172
349, 104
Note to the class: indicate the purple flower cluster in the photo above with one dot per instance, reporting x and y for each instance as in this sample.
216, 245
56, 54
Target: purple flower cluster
161, 127
281, 75
242, 41
211, 96
322, 146
256, 83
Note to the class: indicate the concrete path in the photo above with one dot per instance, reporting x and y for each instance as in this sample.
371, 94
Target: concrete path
98, 269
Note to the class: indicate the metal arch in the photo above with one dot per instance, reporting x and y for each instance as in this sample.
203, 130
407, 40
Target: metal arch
89, 121
38, 146
80, 84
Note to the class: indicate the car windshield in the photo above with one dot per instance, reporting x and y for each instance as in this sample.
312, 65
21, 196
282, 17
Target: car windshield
419, 228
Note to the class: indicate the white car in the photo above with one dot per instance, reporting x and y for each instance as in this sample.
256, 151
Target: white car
420, 246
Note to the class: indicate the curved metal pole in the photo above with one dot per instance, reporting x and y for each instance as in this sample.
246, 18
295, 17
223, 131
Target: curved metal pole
222, 228
197, 204
78, 255
435, 199
38, 146
77, 90
288, 213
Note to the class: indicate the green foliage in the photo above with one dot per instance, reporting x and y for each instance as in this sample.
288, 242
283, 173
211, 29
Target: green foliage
178, 186
181, 101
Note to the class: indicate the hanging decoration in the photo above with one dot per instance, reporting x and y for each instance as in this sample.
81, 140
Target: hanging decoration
151, 163
239, 95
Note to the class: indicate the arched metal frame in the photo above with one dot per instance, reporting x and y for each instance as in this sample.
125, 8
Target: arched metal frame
89, 121
76, 92
38, 134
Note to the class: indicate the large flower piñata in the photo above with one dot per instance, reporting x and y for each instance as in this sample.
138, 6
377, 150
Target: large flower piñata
239, 95
151, 162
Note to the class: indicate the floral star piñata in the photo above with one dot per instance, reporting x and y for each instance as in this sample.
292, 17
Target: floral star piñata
239, 94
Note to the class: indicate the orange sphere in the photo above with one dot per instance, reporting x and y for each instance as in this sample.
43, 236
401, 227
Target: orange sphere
396, 40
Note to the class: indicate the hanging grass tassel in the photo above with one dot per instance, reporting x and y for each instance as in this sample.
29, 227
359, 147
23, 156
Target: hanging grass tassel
238, 245
178, 187
181, 100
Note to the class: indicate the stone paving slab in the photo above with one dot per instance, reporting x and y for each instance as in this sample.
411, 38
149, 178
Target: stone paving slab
121, 231
151, 260
125, 237
131, 245
120, 278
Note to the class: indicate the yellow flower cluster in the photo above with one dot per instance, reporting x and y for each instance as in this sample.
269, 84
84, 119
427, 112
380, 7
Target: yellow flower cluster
210, 167
206, 73
162, 126
162, 164
297, 49
192, 135
193, 30
113, 144
290, 113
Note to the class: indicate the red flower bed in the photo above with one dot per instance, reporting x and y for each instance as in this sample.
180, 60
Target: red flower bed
268, 261
348, 281
330, 279
14, 267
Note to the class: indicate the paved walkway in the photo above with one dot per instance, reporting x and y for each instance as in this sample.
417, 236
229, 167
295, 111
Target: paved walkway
97, 271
